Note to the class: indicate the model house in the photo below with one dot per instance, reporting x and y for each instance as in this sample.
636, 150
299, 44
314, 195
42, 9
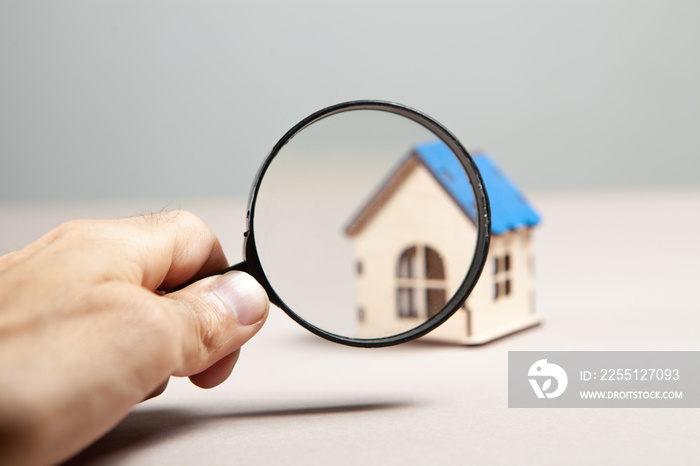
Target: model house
414, 240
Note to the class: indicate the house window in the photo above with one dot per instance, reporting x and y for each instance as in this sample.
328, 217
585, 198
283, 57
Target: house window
407, 302
407, 263
420, 283
501, 276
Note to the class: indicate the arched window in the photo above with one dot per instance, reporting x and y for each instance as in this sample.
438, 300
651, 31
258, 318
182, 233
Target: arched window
420, 283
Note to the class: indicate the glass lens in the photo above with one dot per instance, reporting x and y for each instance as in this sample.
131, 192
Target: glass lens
364, 224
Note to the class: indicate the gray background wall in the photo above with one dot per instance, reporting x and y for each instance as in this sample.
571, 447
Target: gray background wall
185, 98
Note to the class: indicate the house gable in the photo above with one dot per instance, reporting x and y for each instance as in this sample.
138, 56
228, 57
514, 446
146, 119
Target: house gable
387, 189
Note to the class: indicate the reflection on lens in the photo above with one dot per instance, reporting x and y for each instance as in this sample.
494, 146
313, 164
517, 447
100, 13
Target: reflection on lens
365, 224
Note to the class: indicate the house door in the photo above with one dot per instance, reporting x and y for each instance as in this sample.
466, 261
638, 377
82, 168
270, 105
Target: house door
420, 283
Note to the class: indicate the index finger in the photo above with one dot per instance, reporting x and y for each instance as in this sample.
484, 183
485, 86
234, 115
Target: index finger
178, 248
164, 250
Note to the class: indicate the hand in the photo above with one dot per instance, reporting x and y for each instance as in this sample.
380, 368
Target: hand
87, 328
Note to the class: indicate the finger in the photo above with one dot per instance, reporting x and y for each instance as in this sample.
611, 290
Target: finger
177, 249
162, 250
159, 390
217, 316
217, 373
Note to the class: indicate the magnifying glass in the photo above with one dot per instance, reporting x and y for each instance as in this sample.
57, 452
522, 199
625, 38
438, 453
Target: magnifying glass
368, 224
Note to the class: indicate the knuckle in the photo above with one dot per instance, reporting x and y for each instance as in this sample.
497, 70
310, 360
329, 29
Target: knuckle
205, 330
83, 232
210, 327
187, 219
166, 217
73, 227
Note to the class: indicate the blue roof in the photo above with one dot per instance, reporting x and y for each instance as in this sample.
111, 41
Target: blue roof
509, 208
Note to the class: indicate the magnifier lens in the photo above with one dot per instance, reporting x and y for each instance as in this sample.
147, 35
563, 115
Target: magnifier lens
365, 225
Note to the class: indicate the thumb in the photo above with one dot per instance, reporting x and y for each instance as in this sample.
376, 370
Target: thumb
219, 315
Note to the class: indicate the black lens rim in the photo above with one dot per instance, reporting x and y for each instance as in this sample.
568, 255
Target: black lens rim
483, 223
